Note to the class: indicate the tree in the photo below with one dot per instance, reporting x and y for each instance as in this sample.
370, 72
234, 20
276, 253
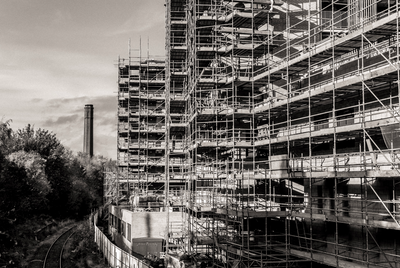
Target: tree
34, 166
6, 137
48, 177
18, 199
58, 174
80, 199
89, 171
41, 141
56, 158
39, 178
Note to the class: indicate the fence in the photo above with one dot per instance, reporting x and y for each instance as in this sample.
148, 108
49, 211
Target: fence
116, 257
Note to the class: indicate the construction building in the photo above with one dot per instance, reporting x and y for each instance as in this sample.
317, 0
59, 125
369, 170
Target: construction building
277, 125
142, 130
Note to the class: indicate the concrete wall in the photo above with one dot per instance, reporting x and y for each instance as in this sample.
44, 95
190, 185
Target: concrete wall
152, 224
142, 224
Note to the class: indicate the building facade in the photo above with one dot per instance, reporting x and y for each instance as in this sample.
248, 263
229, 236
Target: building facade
146, 124
279, 125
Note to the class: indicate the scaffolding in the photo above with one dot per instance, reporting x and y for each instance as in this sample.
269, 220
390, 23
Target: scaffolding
146, 157
290, 130
110, 194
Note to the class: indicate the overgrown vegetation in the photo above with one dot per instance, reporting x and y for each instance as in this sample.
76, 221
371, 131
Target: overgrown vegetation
42, 181
83, 251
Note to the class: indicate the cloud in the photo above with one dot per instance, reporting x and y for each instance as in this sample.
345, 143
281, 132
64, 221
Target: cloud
64, 117
151, 12
57, 56
102, 144
104, 103
56, 73
61, 120
61, 16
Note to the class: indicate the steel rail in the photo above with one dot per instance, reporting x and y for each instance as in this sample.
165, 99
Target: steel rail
63, 235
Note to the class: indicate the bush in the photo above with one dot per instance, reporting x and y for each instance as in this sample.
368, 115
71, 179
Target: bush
83, 249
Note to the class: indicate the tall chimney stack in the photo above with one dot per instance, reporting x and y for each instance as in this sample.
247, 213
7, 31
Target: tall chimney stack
88, 130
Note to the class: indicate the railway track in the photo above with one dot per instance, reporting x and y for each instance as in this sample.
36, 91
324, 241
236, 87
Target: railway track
53, 257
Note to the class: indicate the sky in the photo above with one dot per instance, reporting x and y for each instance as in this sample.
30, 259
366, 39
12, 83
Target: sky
58, 55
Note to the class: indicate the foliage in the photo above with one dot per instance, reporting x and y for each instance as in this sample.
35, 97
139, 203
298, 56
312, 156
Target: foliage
84, 251
5, 137
40, 141
14, 191
34, 166
39, 176
56, 159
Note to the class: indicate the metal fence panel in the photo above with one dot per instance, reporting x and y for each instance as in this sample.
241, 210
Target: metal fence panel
116, 257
